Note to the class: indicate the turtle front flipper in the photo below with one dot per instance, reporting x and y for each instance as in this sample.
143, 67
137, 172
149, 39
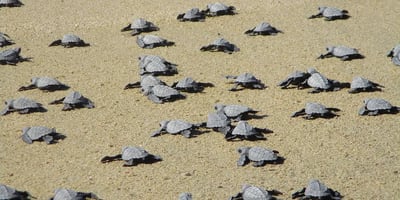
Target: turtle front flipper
243, 160
207, 48
132, 85
67, 107
299, 113
111, 158
235, 86
55, 43
259, 163
157, 133
29, 87
363, 111
299, 193
58, 101
5, 111
154, 98
127, 28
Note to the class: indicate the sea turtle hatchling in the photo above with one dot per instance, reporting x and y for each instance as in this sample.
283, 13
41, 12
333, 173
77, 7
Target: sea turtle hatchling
376, 106
217, 9
187, 84
11, 56
263, 28
5, 40
319, 82
162, 93
133, 156
68, 194
7, 192
156, 65
316, 190
10, 3
315, 110
44, 83
152, 41
70, 40
395, 55
40, 133
235, 112
219, 122
360, 84
176, 127
22, 105
221, 44
297, 78
246, 80
258, 155
330, 13
193, 15
140, 25
251, 192
146, 81
74, 100
185, 196
244, 131
343, 52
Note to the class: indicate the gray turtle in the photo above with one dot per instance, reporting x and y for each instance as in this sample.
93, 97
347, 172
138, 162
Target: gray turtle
74, 100
146, 81
296, 78
235, 112
221, 44
342, 52
176, 127
5, 40
193, 15
244, 131
315, 110
22, 106
7, 192
395, 55
360, 84
162, 93
250, 192
133, 156
67, 194
11, 56
44, 83
246, 80
376, 106
156, 65
258, 155
152, 41
40, 133
330, 13
185, 196
320, 83
316, 190
264, 28
219, 122
10, 3
187, 84
139, 26
217, 9
70, 40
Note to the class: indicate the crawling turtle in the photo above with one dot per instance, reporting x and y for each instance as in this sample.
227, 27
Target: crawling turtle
246, 80
250, 192
5, 40
7, 192
263, 28
152, 41
133, 156
22, 105
219, 122
185, 196
44, 83
10, 3
395, 55
156, 65
360, 84
74, 100
176, 127
146, 81
259, 155
70, 40
244, 131
330, 13
193, 15
67, 194
316, 190
217, 9
221, 44
315, 110
162, 93
187, 84
376, 106
40, 133
235, 112
342, 52
11, 56
296, 78
139, 26
320, 83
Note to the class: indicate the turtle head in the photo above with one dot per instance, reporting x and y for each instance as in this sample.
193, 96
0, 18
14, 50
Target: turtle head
243, 150
330, 49
312, 70
163, 124
219, 107
322, 8
34, 80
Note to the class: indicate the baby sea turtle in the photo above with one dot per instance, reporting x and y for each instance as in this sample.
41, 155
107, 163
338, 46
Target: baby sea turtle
259, 155
235, 112
217, 9
250, 192
330, 13
11, 56
221, 44
263, 28
176, 127
360, 84
296, 78
5, 40
395, 55
146, 81
156, 65
74, 100
67, 194
376, 106
320, 83
316, 190
187, 84
246, 80
44, 83
219, 122
152, 41
244, 131
315, 110
22, 106
133, 156
185, 196
70, 40
7, 192
139, 26
40, 133
162, 93
193, 15
342, 52
10, 3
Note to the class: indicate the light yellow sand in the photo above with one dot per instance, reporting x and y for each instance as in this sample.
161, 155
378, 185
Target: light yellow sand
357, 156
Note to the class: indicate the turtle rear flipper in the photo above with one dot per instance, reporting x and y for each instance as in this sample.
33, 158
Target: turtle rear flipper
259, 163
48, 139
84, 195
111, 158
89, 104
55, 43
187, 133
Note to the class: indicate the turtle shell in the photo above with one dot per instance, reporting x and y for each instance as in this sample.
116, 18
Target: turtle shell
260, 153
244, 128
186, 82
316, 189
74, 98
144, 40
217, 120
148, 81
317, 80
377, 104
331, 11
233, 111
176, 126
164, 91
193, 14
10, 54
185, 196
246, 78
155, 64
65, 194
340, 51
10, 3
217, 7
70, 38
142, 24
37, 132
24, 103
253, 193
315, 108
42, 82
129, 153
4, 40
360, 83
7, 192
